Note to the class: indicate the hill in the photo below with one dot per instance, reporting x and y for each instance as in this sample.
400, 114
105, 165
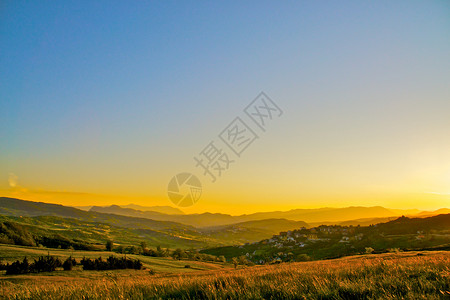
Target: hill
161, 209
197, 220
76, 228
331, 241
330, 214
129, 225
134, 209
58, 232
252, 231
17, 207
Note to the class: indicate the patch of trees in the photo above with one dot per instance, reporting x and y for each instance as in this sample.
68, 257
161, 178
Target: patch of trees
127, 250
180, 254
42, 264
51, 263
158, 252
241, 260
111, 263
59, 241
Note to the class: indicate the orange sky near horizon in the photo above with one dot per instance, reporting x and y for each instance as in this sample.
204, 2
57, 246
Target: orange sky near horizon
427, 201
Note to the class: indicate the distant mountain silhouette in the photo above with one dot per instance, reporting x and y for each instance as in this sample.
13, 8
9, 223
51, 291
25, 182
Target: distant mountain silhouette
169, 210
433, 213
161, 209
316, 216
129, 217
330, 214
115, 209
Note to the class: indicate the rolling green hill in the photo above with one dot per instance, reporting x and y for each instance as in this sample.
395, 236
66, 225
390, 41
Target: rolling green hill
331, 241
90, 227
17, 207
68, 232
54, 225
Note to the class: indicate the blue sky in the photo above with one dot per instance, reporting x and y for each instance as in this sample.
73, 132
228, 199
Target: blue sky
115, 97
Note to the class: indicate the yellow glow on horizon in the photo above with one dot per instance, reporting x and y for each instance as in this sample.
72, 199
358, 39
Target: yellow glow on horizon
424, 187
236, 206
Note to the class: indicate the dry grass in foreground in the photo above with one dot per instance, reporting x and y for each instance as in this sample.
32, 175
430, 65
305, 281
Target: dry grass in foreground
389, 276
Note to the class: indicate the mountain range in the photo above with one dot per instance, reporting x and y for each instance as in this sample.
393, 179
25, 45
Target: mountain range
160, 209
350, 215
128, 224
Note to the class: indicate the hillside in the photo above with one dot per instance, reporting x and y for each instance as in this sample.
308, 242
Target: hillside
79, 228
252, 231
17, 207
54, 232
331, 241
94, 227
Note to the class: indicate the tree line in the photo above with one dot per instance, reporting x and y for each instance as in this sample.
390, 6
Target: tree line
50, 263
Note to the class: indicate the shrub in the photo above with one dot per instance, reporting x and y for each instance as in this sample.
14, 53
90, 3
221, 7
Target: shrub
303, 257
179, 254
369, 250
109, 246
69, 263
150, 252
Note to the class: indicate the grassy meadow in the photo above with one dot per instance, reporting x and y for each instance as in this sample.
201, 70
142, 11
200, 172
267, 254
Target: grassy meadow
10, 253
408, 275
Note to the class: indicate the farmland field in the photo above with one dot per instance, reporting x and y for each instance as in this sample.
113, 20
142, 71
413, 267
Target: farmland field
408, 275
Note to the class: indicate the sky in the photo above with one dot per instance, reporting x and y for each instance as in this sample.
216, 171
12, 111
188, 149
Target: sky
104, 103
